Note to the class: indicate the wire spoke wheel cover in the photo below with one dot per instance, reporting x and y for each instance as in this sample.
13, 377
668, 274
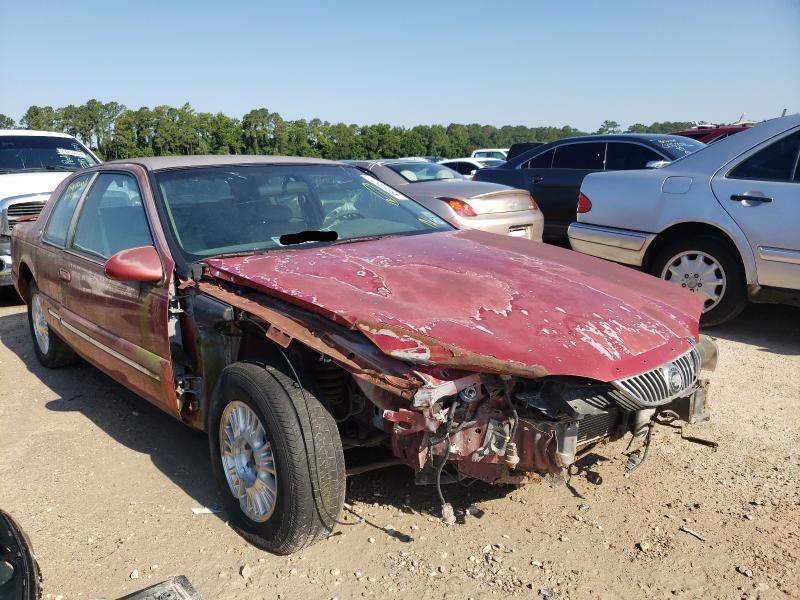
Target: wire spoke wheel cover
41, 331
698, 272
247, 461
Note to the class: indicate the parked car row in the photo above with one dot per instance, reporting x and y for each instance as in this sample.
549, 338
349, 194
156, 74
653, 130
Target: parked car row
723, 223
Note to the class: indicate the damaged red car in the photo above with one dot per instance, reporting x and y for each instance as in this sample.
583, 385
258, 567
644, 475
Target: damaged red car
294, 307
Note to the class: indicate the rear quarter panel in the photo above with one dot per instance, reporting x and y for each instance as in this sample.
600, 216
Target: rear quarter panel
636, 200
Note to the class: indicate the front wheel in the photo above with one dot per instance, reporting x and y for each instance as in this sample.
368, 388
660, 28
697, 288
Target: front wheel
50, 349
709, 268
277, 458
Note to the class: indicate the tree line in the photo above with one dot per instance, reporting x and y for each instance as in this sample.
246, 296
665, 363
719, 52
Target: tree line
115, 131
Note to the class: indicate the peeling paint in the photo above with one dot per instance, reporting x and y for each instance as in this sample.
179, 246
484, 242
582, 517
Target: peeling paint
479, 301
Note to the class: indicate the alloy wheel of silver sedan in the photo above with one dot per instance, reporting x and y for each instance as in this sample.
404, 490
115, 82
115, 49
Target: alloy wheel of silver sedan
248, 461
41, 331
698, 272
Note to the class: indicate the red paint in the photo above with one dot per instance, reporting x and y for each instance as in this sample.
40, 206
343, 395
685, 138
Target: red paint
473, 300
135, 264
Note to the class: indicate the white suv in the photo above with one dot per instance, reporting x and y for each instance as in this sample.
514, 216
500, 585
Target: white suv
32, 164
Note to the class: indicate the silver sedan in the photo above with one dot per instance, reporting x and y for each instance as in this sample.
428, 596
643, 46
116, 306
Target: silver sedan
723, 222
463, 203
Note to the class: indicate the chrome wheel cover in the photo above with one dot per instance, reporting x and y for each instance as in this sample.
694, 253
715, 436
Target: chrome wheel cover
41, 331
698, 272
247, 461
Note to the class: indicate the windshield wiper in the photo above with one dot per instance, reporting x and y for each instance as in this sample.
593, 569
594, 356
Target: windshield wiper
288, 239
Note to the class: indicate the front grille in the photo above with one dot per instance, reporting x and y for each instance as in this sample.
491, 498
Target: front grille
662, 384
24, 209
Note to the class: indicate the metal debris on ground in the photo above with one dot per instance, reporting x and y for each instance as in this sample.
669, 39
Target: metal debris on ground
694, 533
205, 510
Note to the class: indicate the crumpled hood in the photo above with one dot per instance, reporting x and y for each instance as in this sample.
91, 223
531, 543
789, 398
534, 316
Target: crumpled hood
483, 302
19, 184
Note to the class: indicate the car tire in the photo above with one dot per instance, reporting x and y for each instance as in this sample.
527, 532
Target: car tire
720, 262
298, 461
51, 351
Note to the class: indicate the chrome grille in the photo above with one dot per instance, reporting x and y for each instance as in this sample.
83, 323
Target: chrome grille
25, 209
662, 384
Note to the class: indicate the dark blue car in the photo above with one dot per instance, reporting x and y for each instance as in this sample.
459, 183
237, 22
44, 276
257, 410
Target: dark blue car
553, 172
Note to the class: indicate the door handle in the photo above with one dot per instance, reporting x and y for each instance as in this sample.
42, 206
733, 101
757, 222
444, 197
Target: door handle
64, 275
537, 179
750, 198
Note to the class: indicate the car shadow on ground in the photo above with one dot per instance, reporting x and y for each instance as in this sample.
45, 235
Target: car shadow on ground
770, 327
181, 453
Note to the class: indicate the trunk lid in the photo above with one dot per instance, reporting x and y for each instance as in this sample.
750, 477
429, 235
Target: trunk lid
485, 198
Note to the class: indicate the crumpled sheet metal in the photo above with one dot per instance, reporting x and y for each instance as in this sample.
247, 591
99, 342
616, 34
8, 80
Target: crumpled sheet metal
482, 302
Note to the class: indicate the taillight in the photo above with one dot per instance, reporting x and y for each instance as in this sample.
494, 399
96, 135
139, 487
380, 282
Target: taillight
534, 206
584, 204
460, 207
474, 178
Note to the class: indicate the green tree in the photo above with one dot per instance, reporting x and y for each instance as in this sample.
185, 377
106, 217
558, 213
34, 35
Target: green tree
609, 127
40, 117
6, 122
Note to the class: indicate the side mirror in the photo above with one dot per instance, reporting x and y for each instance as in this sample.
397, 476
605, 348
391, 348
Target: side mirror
135, 264
656, 164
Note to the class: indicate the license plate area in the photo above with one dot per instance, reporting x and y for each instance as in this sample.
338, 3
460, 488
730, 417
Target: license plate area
518, 232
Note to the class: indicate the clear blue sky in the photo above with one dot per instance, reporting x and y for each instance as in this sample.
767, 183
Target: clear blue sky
411, 62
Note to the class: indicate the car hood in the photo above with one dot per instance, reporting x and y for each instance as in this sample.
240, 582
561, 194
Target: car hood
23, 184
483, 302
458, 188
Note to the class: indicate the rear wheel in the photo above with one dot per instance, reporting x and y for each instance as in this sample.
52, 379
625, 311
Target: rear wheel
708, 267
50, 350
277, 458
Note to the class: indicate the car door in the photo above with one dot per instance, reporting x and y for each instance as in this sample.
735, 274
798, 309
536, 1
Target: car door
626, 156
119, 326
556, 188
50, 272
761, 192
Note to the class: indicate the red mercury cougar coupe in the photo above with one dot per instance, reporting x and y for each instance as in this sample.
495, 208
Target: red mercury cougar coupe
291, 307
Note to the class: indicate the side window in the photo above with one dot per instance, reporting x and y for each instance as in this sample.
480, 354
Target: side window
776, 162
112, 217
464, 168
622, 157
60, 218
590, 156
542, 161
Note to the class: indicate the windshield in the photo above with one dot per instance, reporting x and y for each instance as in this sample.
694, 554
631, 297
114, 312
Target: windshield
490, 154
423, 171
489, 162
42, 153
245, 209
679, 146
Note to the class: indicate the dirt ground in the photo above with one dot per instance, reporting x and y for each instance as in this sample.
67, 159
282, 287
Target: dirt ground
104, 485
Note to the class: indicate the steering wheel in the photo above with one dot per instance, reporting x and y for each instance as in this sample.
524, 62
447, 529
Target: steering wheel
341, 214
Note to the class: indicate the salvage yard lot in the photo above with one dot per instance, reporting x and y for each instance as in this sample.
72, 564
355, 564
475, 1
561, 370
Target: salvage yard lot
105, 484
